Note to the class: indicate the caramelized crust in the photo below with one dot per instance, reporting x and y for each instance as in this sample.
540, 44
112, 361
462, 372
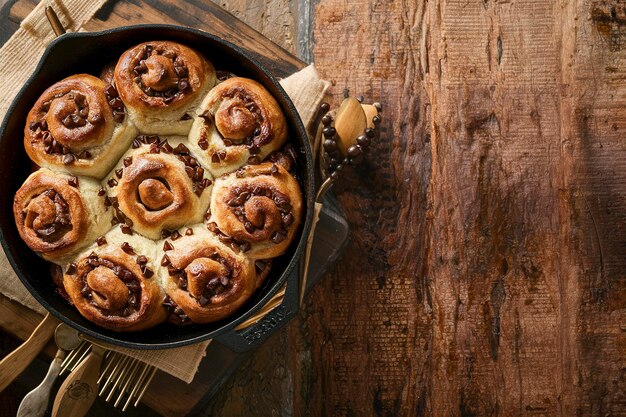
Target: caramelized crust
239, 122
205, 279
259, 205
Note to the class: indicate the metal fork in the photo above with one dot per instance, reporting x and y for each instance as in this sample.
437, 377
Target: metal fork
123, 380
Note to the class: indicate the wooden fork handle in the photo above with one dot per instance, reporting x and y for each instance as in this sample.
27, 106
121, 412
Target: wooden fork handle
13, 365
80, 388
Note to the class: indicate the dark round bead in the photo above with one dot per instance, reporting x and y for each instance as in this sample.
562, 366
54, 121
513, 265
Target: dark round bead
339, 167
376, 119
369, 132
378, 106
324, 107
354, 151
346, 161
334, 161
334, 175
356, 160
330, 145
359, 99
363, 141
327, 119
329, 131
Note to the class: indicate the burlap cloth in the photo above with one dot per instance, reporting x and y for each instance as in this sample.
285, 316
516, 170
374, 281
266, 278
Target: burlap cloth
18, 58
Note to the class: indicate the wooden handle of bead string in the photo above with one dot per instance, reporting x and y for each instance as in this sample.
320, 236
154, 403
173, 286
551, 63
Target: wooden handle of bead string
13, 365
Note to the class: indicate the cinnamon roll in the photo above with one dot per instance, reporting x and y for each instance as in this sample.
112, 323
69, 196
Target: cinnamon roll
204, 279
238, 122
78, 125
258, 207
58, 214
114, 283
161, 83
158, 185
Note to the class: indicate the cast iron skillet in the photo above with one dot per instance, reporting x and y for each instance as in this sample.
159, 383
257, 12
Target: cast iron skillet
74, 53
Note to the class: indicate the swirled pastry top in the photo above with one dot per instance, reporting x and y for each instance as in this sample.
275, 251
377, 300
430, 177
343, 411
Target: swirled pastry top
113, 283
161, 82
259, 206
58, 214
159, 185
205, 278
238, 122
75, 127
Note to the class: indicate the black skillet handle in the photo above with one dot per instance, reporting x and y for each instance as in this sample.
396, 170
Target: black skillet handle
254, 336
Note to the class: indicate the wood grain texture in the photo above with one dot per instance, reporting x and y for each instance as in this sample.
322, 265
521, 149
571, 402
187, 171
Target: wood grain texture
488, 257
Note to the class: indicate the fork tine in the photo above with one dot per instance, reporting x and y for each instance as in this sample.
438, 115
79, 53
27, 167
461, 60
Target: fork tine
137, 384
71, 355
131, 376
116, 376
82, 353
114, 372
111, 360
145, 386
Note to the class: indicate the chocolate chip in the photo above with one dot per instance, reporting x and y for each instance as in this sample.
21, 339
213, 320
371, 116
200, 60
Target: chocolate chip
183, 84
165, 234
112, 182
215, 159
118, 116
128, 161
101, 192
136, 143
84, 155
68, 158
34, 126
189, 171
287, 220
126, 229
204, 145
73, 181
254, 150
110, 91
147, 272
71, 269
189, 231
142, 260
278, 237
101, 241
167, 246
175, 235
185, 117
249, 227
165, 261
119, 172
127, 248
221, 154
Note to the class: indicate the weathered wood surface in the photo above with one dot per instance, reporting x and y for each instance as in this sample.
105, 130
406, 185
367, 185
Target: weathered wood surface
487, 270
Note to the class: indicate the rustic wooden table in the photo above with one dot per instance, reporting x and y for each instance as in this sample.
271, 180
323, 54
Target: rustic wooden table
487, 269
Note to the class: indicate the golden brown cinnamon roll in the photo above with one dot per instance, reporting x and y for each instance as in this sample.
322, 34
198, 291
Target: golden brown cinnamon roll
114, 283
57, 214
257, 207
158, 185
78, 125
204, 279
161, 83
238, 122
